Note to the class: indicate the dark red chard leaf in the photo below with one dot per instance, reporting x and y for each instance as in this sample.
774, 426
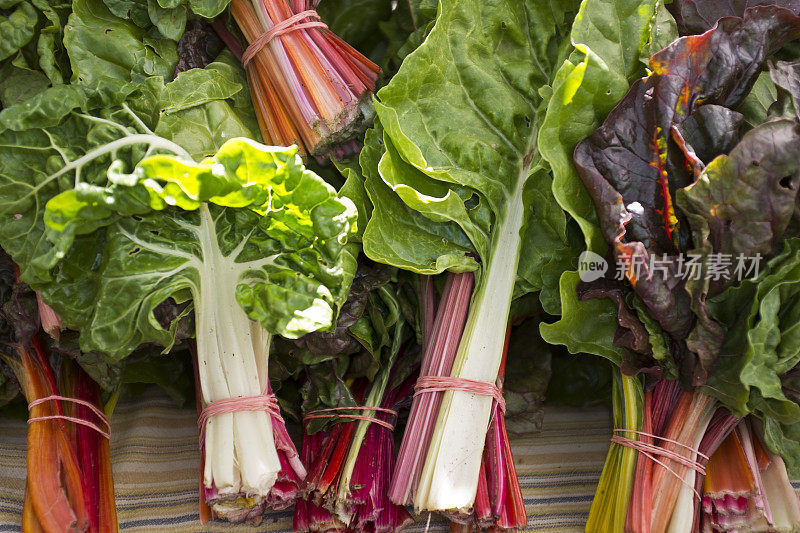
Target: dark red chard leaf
198, 47
698, 16
632, 179
631, 333
710, 131
790, 384
721, 66
642, 155
339, 342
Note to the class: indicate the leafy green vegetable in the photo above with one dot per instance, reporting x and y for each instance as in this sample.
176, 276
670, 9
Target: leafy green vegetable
198, 46
588, 84
456, 162
677, 169
68, 134
756, 106
762, 350
102, 45
17, 28
635, 165
608, 37
280, 249
31, 53
358, 21
584, 327
419, 245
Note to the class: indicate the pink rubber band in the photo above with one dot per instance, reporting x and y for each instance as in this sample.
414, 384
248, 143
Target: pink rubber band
427, 384
649, 450
285, 26
55, 397
320, 413
682, 445
263, 402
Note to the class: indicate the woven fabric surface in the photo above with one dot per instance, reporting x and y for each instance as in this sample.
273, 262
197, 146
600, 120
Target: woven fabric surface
155, 457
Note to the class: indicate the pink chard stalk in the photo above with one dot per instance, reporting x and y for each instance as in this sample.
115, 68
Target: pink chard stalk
498, 502
342, 495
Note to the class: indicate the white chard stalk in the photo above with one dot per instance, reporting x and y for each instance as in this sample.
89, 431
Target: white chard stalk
682, 518
232, 353
449, 477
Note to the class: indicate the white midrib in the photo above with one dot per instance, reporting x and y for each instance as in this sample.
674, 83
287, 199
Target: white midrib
153, 141
240, 450
450, 474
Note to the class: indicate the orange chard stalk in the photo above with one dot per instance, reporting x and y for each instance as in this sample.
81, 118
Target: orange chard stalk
30, 524
727, 471
55, 502
276, 107
689, 419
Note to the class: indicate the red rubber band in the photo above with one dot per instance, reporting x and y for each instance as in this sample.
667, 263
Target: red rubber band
388, 425
649, 450
280, 28
427, 384
55, 397
263, 402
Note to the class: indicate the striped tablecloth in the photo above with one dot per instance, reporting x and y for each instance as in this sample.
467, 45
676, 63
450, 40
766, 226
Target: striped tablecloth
155, 457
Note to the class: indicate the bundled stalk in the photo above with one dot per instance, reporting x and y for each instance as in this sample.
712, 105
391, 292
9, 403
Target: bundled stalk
747, 487
440, 348
69, 485
610, 505
498, 499
351, 405
348, 477
679, 430
498, 502
308, 86
250, 505
720, 334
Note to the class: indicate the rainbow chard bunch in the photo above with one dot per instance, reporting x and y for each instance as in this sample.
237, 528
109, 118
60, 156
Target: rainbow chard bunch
254, 217
693, 178
69, 486
451, 180
308, 86
248, 242
362, 374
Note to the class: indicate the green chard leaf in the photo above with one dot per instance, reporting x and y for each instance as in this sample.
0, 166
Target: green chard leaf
608, 37
429, 248
761, 353
459, 141
102, 45
66, 138
17, 28
251, 215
